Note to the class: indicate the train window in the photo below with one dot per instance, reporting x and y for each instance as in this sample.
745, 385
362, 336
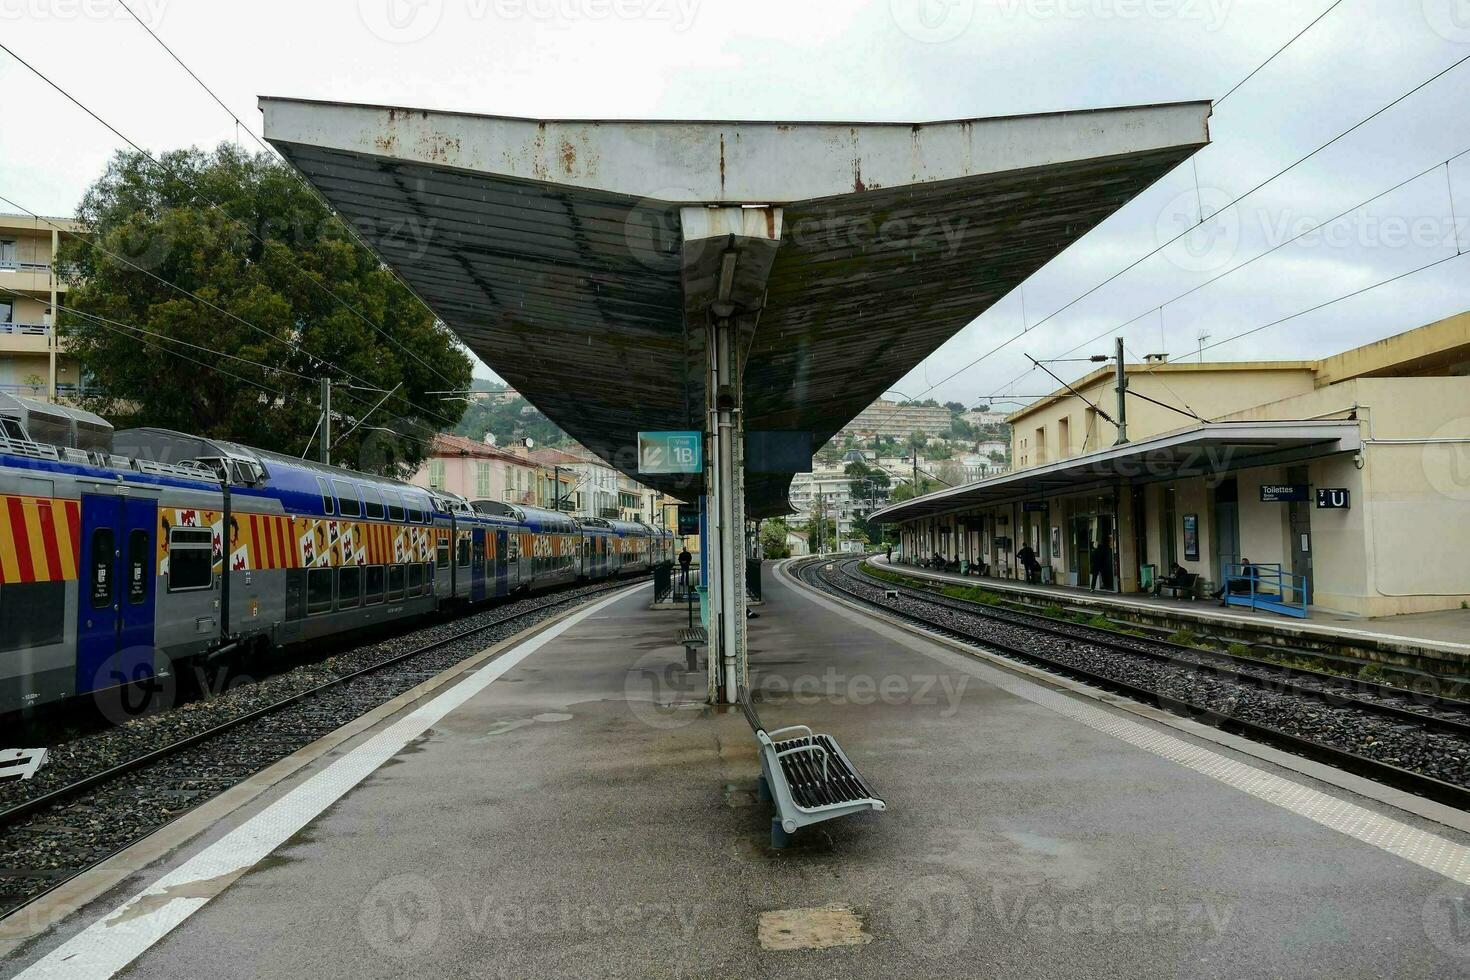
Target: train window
395, 505
515, 549
479, 551
138, 567
464, 553
348, 504
190, 559
32, 615
415, 507
318, 591
102, 568
374, 580
372, 503
349, 587
395, 582
442, 551
326, 495
415, 579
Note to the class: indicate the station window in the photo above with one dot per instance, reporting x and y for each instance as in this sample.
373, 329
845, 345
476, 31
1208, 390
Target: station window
415, 579
395, 582
326, 495
348, 504
138, 567
190, 559
373, 575
349, 587
318, 591
372, 504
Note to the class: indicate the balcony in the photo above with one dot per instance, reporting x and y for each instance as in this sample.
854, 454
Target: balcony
25, 338
30, 277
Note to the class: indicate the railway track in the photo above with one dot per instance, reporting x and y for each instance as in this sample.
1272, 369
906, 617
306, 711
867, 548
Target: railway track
51, 837
1439, 713
1417, 742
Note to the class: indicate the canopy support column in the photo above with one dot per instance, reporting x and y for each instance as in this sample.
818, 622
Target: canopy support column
727, 259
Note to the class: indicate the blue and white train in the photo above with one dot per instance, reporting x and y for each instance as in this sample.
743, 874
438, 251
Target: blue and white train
124, 554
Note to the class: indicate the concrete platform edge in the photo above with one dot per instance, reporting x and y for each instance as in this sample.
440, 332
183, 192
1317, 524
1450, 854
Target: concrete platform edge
36, 920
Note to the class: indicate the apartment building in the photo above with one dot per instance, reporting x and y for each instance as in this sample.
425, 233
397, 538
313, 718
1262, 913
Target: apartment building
31, 361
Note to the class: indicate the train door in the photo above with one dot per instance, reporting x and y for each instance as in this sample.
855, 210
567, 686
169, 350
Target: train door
504, 557
115, 601
477, 564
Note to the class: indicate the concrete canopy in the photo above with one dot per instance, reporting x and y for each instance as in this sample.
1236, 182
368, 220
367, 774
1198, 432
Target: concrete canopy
1211, 449
560, 251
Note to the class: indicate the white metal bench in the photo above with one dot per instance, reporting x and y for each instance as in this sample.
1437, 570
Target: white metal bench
807, 777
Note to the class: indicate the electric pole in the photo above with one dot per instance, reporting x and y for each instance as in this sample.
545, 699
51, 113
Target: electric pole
1122, 395
326, 453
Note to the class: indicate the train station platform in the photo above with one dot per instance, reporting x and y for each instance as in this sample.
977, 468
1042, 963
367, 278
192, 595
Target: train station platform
569, 807
1444, 635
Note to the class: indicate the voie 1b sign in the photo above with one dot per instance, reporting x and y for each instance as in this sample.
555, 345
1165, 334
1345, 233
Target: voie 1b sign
670, 452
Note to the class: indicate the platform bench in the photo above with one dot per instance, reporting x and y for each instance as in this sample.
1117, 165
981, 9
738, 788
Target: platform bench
1187, 588
691, 639
808, 777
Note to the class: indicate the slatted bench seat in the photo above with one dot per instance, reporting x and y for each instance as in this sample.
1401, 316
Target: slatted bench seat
691, 639
808, 777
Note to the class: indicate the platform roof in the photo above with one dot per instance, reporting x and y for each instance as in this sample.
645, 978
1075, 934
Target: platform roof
1213, 448
553, 248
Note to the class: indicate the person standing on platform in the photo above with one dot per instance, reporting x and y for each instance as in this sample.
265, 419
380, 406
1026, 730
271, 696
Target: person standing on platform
685, 559
888, 553
1027, 557
1102, 564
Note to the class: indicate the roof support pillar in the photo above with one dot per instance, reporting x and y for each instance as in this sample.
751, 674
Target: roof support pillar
727, 256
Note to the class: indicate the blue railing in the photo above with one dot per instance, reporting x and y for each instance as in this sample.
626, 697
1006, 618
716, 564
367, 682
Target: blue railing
1266, 587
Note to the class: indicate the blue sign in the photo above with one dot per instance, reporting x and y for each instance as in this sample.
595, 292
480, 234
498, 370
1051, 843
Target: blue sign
1281, 493
670, 452
1333, 498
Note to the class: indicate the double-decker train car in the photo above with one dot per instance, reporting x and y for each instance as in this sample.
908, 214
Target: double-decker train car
119, 562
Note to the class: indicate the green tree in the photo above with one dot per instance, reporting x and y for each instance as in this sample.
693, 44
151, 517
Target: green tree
773, 538
289, 297
955, 408
510, 422
905, 489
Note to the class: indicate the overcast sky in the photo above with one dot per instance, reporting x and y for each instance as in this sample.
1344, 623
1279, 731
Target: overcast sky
904, 60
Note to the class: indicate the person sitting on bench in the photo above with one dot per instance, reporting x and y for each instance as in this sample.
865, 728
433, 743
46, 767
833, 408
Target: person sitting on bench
1238, 584
1178, 578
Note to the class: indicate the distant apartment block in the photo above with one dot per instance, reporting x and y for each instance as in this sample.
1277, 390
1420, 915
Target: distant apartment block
31, 361
898, 420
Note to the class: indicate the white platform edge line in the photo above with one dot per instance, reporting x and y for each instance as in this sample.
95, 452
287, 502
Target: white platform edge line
111, 943
1421, 847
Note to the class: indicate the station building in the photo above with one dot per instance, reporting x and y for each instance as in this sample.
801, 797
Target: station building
1349, 476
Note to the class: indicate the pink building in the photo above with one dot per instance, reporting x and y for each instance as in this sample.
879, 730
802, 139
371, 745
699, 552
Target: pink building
478, 471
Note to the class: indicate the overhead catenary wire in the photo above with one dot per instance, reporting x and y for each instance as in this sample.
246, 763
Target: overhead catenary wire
1232, 203
239, 125
192, 186
93, 244
1338, 299
1316, 227
1294, 38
